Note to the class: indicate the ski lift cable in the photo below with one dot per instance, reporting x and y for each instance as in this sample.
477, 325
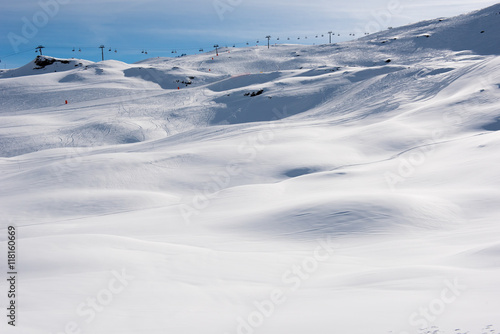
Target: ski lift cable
17, 53
343, 33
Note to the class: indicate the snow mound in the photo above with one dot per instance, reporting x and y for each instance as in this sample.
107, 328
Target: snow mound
45, 64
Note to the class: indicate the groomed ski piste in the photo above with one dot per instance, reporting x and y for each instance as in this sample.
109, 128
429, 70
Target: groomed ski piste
340, 188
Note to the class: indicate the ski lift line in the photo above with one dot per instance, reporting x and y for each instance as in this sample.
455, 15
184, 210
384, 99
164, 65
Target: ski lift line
117, 48
135, 49
17, 53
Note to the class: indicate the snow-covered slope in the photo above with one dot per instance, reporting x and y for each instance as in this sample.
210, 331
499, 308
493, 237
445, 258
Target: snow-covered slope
348, 188
475, 32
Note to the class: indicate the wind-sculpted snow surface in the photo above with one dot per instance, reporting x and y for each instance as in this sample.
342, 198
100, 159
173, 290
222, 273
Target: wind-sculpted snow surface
296, 189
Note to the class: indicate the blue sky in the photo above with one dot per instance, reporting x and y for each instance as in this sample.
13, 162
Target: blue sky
162, 26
